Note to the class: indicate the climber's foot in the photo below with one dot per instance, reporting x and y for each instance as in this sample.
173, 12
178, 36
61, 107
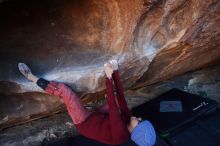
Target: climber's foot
25, 70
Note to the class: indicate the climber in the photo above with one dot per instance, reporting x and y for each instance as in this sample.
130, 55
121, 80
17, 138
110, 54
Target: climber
110, 124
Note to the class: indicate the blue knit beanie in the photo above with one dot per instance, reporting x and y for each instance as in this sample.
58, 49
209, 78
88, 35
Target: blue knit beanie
144, 134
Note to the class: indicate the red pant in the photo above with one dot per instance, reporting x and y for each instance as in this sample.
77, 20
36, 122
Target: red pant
108, 127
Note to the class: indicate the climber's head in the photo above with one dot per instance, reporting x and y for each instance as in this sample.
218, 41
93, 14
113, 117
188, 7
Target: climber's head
142, 132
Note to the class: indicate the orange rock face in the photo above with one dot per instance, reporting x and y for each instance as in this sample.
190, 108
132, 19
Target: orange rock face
185, 38
69, 41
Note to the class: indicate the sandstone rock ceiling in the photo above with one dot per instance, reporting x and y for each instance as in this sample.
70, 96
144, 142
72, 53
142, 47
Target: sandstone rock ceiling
70, 40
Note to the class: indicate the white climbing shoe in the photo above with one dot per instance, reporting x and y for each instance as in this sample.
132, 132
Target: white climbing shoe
24, 69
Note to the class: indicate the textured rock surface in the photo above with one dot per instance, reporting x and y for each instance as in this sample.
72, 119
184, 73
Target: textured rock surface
185, 39
205, 83
69, 41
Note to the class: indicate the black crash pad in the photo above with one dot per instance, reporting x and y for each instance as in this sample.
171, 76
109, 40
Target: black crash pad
211, 124
194, 136
204, 132
83, 141
192, 107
